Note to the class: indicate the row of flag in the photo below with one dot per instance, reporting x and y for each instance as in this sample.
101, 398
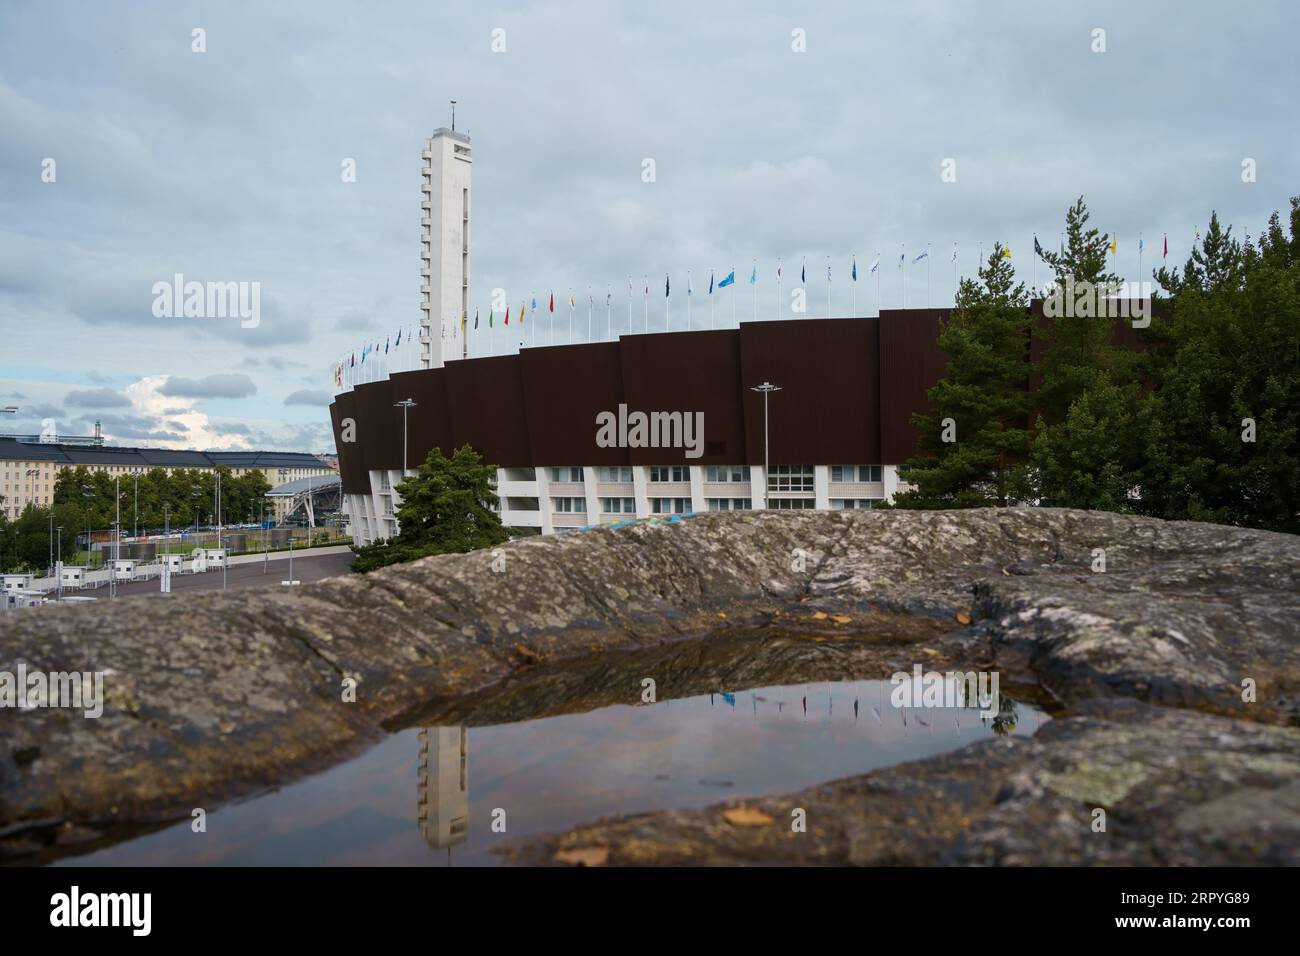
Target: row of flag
370, 349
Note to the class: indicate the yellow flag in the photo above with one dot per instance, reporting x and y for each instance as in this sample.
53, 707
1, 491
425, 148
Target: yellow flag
521, 313
1006, 252
1113, 246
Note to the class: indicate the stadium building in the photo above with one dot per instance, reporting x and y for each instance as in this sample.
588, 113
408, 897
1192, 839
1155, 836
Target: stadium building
832, 434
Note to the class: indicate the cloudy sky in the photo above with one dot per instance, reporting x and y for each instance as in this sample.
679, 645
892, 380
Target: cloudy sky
226, 165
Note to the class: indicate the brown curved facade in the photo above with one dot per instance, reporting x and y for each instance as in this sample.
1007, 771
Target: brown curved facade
848, 391
849, 388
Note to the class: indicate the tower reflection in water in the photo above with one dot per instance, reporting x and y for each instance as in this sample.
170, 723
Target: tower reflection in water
443, 810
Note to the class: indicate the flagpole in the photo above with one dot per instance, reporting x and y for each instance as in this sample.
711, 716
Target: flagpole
927, 275
1139, 261
902, 262
645, 297
855, 286
589, 305
688, 300
713, 324
609, 310
570, 315
753, 277
828, 287
878, 278
733, 308
629, 305
778, 296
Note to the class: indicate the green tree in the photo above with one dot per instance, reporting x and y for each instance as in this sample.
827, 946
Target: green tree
984, 392
447, 506
1088, 401
1229, 364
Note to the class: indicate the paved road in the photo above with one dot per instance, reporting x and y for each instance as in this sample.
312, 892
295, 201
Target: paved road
244, 575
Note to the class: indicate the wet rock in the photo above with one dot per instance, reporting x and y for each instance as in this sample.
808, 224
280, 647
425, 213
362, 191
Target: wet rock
1176, 788
212, 696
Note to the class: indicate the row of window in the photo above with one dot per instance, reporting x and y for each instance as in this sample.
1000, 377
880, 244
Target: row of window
842, 473
783, 477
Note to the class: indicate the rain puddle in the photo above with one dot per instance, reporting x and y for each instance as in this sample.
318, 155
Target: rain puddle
431, 795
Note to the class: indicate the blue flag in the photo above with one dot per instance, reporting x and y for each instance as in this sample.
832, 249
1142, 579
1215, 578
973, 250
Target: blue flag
855, 268
729, 280
753, 274
710, 282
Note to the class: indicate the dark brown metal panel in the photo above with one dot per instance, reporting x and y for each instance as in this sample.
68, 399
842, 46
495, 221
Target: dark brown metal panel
828, 406
378, 434
429, 422
688, 372
352, 469
487, 409
910, 363
565, 387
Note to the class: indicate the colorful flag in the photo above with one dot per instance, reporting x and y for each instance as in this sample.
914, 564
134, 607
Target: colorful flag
667, 286
875, 265
1038, 249
399, 339
924, 255
854, 274
507, 319
753, 273
572, 303
778, 271
954, 252
1114, 245
689, 288
803, 271
490, 315
1141, 244
729, 280
1165, 255
476, 317
521, 313
1006, 252
385, 345
552, 302
710, 282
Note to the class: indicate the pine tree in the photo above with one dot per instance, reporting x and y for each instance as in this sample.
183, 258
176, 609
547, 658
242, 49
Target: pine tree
447, 506
985, 394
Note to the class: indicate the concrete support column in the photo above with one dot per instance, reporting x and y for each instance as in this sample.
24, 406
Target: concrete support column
822, 487
639, 481
544, 498
698, 503
757, 497
589, 492
889, 475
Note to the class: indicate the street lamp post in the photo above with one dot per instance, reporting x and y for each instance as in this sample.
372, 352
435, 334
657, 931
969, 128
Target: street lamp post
767, 388
60, 582
406, 405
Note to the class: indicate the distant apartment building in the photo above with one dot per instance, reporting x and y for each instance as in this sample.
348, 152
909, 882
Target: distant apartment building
29, 469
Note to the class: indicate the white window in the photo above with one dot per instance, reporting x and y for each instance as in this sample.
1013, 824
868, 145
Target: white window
670, 473
726, 473
567, 474
729, 504
618, 506
617, 473
792, 504
670, 506
790, 478
569, 505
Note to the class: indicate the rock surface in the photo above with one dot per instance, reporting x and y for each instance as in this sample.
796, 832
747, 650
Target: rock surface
213, 696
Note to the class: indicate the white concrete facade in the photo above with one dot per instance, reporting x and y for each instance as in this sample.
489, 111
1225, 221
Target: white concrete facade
556, 499
445, 245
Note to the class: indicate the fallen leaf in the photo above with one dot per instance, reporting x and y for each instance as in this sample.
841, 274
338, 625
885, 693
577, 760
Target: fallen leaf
722, 614
584, 856
841, 619
527, 653
747, 817
820, 616
929, 652
1006, 572
962, 618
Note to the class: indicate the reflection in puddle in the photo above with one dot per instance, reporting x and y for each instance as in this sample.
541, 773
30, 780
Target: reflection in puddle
557, 772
